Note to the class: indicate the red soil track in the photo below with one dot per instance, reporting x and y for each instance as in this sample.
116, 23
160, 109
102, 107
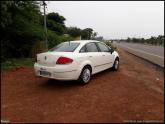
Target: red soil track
135, 92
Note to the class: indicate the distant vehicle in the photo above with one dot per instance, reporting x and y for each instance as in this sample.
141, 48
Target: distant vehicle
76, 60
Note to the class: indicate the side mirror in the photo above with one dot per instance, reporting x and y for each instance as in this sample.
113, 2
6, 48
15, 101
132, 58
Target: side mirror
111, 50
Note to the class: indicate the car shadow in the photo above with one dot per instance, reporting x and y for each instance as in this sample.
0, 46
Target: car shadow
52, 83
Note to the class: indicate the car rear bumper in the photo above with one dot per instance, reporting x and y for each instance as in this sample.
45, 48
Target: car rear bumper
57, 72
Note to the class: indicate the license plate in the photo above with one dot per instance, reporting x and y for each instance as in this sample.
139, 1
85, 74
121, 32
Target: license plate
45, 73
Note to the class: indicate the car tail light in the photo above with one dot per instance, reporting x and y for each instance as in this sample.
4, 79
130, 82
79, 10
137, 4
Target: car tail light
64, 60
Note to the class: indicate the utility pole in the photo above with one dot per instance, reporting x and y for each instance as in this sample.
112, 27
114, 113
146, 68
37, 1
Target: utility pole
46, 41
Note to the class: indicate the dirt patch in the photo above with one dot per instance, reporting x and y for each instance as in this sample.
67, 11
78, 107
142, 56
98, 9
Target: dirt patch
135, 92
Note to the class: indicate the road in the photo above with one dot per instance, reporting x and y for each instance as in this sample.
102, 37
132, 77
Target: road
129, 94
154, 54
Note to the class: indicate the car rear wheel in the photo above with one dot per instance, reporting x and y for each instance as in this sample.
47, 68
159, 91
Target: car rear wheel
116, 64
85, 75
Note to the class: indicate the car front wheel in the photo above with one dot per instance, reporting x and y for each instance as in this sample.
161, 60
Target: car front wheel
116, 65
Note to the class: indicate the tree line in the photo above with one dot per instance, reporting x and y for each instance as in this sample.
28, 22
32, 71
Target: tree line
159, 40
22, 32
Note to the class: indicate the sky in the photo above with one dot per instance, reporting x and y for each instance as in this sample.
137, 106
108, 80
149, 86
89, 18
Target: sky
113, 19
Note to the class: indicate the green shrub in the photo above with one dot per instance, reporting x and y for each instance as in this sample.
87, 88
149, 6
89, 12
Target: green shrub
54, 39
16, 63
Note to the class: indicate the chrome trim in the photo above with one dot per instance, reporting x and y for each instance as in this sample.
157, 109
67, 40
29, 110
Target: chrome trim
102, 64
65, 71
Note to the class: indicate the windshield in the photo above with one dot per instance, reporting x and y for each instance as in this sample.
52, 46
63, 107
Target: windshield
65, 47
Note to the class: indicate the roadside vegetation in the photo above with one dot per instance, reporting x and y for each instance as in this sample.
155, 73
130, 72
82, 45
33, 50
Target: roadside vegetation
17, 63
152, 41
23, 35
111, 45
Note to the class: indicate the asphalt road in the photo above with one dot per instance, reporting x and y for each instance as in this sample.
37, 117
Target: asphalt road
155, 54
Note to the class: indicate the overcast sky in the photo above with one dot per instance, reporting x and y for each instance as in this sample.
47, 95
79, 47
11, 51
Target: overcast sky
113, 19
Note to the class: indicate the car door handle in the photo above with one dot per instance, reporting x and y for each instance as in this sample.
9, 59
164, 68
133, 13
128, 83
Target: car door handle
103, 55
90, 56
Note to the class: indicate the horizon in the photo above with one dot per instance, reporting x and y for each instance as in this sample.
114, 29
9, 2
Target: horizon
138, 19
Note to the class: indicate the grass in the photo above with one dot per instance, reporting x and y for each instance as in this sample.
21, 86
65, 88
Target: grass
16, 63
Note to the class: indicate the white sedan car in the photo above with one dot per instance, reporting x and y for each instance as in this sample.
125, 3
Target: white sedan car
76, 60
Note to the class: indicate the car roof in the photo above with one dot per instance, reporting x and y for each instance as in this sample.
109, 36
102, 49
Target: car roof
82, 43
85, 41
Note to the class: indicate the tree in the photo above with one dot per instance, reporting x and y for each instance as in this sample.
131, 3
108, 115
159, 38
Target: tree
54, 26
87, 33
21, 29
128, 40
160, 40
73, 31
56, 17
56, 23
5, 14
94, 34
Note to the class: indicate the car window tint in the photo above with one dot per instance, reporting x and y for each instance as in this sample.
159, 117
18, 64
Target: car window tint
103, 47
65, 47
83, 49
91, 47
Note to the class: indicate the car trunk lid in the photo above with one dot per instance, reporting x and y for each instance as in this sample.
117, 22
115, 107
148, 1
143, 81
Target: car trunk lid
47, 59
50, 58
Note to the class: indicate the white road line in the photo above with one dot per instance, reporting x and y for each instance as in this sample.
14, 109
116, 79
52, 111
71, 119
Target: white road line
144, 52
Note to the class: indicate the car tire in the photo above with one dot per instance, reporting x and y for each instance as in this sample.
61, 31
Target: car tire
85, 75
116, 64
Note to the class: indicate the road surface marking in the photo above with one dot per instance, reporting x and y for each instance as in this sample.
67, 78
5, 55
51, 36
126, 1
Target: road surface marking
144, 52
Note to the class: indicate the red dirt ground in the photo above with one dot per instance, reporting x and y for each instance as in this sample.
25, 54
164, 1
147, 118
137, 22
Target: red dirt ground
134, 93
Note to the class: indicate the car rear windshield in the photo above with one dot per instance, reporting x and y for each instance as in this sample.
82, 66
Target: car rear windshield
65, 47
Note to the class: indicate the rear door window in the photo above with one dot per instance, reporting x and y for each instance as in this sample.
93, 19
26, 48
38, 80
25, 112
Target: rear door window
91, 47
